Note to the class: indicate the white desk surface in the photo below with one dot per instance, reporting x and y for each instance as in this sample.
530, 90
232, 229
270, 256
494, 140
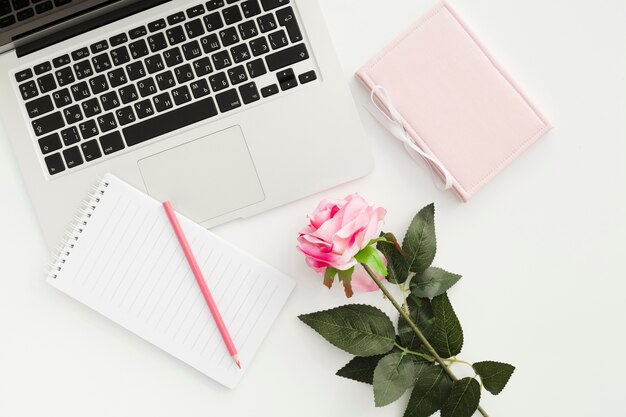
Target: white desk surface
541, 250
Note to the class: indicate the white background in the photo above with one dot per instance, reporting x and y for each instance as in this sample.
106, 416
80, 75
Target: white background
541, 250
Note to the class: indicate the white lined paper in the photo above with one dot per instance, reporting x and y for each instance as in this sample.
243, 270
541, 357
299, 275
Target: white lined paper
127, 265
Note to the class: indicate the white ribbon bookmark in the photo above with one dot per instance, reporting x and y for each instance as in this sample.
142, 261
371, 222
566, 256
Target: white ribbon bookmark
392, 121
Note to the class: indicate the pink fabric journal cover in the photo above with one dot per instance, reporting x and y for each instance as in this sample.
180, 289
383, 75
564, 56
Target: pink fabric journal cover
455, 101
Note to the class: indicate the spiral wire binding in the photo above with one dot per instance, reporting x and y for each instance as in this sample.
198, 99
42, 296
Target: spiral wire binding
76, 228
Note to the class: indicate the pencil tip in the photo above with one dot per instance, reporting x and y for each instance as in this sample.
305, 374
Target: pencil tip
239, 364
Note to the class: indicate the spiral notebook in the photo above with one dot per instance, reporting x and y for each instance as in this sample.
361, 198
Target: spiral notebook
122, 259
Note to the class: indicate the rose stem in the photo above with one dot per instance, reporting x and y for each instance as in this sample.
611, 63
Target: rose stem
416, 330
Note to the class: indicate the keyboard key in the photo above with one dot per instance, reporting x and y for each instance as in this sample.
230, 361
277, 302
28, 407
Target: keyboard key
194, 28
176, 35
80, 91
154, 64
111, 143
173, 57
73, 114
210, 43
80, 54
101, 62
269, 90
64, 76
54, 163
237, 75
287, 18
267, 23
250, 8
278, 39
157, 42
117, 77
176, 18
91, 107
249, 93
214, 4
50, 143
44, 7
248, 30
25, 14
125, 115
72, 157
118, 39
256, 68
138, 32
28, 90
202, 66
24, 75
213, 22
7, 21
106, 122
259, 46
83, 69
88, 129
169, 121
138, 49
200, 88
183, 73
91, 150
98, 84
61, 61
221, 60
135, 70
163, 102
307, 77
157, 25
195, 11
228, 100
191, 50
218, 81
286, 79
128, 94
229, 36
99, 47
43, 67
48, 124
47, 83
181, 95
120, 56
70, 136
39, 106
144, 109
147, 87
240, 53
165, 80
62, 98
232, 15
273, 4
287, 57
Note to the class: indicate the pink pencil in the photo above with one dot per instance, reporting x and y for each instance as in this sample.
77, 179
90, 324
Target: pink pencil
201, 282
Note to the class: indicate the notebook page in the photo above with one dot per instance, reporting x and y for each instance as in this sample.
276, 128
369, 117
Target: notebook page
128, 265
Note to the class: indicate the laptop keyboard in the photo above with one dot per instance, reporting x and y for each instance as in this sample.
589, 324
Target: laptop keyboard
14, 11
105, 98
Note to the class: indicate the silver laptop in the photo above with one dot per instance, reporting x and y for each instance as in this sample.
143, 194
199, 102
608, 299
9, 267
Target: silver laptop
225, 107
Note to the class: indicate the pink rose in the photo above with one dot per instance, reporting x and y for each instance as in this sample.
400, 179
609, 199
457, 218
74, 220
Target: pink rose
337, 231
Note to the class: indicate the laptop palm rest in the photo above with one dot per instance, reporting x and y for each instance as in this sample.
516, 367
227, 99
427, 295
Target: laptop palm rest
205, 178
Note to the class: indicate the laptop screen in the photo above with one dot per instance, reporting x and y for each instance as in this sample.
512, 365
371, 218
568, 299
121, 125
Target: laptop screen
25, 21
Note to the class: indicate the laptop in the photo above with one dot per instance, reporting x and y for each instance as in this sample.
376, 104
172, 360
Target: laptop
225, 107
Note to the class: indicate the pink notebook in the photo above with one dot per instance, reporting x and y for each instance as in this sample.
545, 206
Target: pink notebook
454, 100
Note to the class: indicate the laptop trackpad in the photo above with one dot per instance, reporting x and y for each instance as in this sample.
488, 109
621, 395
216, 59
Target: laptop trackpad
205, 178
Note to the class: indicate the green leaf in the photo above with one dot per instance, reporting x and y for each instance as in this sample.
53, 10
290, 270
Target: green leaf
463, 400
433, 282
420, 241
447, 337
393, 375
495, 375
397, 264
421, 313
432, 388
361, 330
360, 368
371, 257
